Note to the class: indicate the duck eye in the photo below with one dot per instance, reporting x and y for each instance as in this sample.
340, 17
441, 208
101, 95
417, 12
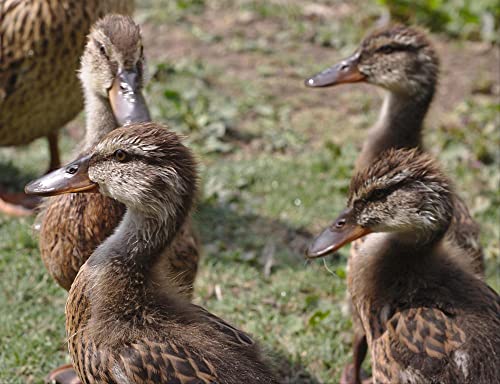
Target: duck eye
102, 49
378, 194
386, 49
120, 155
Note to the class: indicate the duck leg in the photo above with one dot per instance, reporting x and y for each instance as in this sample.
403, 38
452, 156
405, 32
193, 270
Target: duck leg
360, 349
65, 374
353, 374
55, 160
11, 208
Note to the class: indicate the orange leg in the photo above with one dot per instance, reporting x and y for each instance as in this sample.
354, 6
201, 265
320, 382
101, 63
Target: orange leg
65, 374
18, 203
12, 209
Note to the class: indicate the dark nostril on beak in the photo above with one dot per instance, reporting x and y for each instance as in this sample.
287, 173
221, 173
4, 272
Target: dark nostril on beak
340, 223
72, 169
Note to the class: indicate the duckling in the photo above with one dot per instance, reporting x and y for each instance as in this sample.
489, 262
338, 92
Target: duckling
113, 55
42, 42
112, 76
121, 327
427, 317
402, 61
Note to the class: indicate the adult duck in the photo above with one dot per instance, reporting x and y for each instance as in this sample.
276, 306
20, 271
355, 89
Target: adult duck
40, 49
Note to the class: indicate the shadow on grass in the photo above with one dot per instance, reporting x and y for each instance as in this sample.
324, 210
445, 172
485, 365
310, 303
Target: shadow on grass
263, 243
292, 373
248, 237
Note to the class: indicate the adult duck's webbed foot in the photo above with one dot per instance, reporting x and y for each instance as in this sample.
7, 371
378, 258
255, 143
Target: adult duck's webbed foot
18, 203
65, 374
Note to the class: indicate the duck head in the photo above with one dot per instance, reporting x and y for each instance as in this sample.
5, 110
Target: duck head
397, 58
144, 166
113, 67
403, 192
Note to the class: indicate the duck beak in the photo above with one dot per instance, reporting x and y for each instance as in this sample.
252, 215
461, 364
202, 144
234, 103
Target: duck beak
343, 231
71, 178
127, 101
344, 72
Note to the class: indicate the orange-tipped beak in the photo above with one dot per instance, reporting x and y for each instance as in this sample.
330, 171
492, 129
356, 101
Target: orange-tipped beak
344, 72
341, 232
127, 101
72, 178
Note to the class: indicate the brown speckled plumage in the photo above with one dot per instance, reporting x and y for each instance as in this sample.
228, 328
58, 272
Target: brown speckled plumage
409, 71
426, 316
72, 226
464, 232
193, 346
403, 61
71, 229
41, 43
65, 244
127, 323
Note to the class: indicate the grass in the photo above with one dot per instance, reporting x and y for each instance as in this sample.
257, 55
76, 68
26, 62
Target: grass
276, 161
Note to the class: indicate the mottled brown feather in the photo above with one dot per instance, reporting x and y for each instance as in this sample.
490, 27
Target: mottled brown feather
426, 316
65, 244
402, 127
71, 229
120, 326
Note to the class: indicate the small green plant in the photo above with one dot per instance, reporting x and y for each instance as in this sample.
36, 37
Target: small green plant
191, 105
471, 19
171, 10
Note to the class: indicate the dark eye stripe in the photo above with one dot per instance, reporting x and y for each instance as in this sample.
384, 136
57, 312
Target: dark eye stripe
131, 156
388, 48
378, 194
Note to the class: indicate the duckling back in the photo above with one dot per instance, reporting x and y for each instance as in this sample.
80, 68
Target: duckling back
72, 226
160, 338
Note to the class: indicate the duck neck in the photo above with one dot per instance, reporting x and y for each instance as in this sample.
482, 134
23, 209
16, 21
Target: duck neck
100, 119
118, 275
124, 264
138, 240
399, 125
392, 263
